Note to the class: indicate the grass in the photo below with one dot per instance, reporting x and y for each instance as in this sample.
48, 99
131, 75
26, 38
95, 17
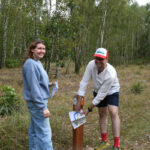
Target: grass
134, 112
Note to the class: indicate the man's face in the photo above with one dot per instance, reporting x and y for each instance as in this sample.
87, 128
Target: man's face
100, 63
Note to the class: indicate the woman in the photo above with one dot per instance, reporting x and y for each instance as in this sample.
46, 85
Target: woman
36, 94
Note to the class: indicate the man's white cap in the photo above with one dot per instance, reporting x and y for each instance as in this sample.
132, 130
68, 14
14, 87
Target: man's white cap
101, 53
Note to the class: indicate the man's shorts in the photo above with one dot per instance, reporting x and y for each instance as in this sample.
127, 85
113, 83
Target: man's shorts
108, 100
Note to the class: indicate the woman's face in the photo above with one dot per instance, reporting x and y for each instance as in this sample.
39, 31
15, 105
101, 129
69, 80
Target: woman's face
39, 51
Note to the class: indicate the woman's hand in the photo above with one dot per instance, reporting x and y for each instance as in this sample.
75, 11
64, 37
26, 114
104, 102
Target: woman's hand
46, 113
51, 84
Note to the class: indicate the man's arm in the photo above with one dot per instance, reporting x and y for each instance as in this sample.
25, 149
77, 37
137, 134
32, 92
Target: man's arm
85, 80
89, 109
103, 91
83, 85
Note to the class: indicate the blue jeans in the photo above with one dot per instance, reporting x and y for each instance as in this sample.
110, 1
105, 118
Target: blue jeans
39, 130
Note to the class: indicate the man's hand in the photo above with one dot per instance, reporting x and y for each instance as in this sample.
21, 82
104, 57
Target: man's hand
86, 112
89, 109
46, 113
78, 104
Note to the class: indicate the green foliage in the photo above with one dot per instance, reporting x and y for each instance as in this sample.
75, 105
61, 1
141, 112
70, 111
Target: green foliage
76, 29
62, 65
12, 63
137, 88
9, 101
144, 44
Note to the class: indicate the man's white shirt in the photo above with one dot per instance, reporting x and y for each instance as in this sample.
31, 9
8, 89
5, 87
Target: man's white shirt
105, 83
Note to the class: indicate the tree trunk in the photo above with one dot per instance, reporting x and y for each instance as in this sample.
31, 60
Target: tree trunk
35, 20
68, 65
50, 5
78, 60
51, 56
77, 67
57, 65
103, 29
4, 40
78, 55
13, 48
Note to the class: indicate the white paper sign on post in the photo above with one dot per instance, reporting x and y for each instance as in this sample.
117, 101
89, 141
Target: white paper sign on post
77, 119
54, 89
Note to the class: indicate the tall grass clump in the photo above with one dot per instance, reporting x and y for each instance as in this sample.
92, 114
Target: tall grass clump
137, 88
9, 101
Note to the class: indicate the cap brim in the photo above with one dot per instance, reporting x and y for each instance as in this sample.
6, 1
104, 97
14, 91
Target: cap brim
100, 56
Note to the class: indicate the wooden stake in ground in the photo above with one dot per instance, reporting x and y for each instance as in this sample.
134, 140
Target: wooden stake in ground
78, 133
78, 138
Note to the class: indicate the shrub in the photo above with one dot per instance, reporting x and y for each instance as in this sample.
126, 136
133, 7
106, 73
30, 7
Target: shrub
12, 63
62, 65
137, 88
9, 101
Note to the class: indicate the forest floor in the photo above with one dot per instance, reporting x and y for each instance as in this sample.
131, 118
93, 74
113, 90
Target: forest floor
134, 111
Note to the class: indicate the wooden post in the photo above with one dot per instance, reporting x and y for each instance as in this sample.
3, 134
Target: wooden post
78, 138
78, 133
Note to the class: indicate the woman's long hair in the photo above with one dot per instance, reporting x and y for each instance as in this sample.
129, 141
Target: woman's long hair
32, 46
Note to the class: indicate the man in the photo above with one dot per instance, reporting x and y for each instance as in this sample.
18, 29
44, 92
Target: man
106, 95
